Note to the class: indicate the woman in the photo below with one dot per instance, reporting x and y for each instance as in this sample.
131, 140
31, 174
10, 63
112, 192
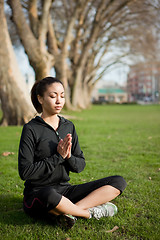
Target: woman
48, 151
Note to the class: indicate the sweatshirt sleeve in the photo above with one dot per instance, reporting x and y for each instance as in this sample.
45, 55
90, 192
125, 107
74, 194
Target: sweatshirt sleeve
29, 168
76, 161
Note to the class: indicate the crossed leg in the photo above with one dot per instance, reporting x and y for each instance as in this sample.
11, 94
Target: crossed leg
99, 196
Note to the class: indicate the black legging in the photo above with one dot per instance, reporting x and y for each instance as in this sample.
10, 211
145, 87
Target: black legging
47, 198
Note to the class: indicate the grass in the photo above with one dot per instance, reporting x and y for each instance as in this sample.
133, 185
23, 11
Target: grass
122, 140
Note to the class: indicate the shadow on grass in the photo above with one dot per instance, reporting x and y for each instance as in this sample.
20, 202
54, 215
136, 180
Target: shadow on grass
12, 213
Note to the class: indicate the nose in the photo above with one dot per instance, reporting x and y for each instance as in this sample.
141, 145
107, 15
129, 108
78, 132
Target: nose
58, 99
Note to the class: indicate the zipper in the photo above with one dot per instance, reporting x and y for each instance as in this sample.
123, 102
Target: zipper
57, 134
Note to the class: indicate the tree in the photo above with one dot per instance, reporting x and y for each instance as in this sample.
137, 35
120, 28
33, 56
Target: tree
75, 36
33, 36
78, 34
99, 27
14, 97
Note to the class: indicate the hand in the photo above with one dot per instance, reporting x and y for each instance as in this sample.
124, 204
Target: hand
64, 146
69, 151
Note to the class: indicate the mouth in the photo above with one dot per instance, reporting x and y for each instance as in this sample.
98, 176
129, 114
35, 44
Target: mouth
58, 107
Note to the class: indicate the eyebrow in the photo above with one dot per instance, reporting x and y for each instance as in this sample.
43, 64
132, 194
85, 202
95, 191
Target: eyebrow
55, 92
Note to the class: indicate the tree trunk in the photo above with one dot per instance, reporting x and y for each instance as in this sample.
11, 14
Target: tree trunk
76, 88
81, 96
34, 43
61, 74
16, 105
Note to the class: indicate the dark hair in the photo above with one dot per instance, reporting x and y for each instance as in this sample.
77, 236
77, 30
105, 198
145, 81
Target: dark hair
39, 88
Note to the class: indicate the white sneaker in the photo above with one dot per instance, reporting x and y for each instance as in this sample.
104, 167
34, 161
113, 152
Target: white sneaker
105, 210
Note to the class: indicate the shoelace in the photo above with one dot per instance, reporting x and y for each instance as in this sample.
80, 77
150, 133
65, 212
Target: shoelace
99, 212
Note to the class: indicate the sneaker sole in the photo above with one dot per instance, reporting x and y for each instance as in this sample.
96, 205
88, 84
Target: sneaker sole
67, 221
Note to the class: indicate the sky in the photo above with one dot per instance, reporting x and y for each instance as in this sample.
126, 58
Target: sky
118, 74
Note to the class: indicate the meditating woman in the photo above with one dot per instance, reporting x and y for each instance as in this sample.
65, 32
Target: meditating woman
48, 151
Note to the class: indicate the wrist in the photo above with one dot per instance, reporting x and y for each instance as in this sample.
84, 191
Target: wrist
68, 157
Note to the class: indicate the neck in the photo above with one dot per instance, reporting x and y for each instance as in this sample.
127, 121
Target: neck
49, 117
52, 120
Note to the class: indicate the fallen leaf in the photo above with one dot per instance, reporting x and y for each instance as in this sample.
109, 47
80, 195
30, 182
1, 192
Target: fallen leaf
113, 229
5, 154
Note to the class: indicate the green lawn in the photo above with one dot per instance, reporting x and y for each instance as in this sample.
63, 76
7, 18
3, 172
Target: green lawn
122, 140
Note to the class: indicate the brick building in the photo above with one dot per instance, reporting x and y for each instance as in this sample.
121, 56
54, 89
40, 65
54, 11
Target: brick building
143, 83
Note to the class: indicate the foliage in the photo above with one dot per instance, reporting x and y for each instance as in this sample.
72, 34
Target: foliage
115, 140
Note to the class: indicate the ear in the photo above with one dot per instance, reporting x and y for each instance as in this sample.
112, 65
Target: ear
40, 99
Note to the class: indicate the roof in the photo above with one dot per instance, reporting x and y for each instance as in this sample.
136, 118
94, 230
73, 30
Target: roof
110, 90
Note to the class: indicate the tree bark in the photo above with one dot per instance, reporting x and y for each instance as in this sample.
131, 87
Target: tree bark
81, 97
34, 42
16, 105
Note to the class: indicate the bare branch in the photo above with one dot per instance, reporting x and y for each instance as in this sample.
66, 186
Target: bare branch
51, 39
25, 33
33, 16
43, 28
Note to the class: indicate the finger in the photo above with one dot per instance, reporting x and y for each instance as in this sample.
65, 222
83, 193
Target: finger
66, 144
68, 137
69, 151
62, 149
60, 143
67, 140
63, 146
69, 147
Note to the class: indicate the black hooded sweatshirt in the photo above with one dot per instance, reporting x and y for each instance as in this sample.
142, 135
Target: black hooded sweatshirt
39, 163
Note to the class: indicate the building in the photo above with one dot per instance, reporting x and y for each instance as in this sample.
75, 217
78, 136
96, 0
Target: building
109, 94
143, 83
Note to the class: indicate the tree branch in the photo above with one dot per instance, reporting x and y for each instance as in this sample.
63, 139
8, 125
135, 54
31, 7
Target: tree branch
33, 17
43, 27
29, 42
51, 38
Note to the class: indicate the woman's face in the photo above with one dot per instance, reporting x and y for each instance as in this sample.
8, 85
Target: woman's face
53, 99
